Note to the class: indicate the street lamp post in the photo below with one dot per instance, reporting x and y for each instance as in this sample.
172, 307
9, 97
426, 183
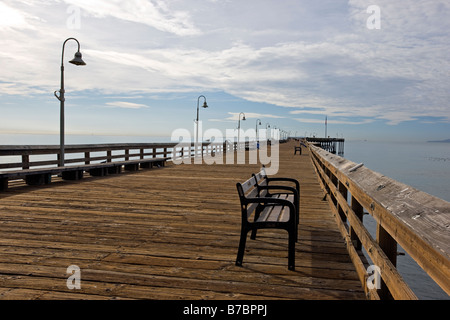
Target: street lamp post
258, 122
205, 105
77, 60
239, 128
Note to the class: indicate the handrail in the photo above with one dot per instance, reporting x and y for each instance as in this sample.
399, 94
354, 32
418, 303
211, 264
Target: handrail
89, 153
415, 220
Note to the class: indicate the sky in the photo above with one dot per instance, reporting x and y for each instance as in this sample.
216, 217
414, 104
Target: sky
377, 70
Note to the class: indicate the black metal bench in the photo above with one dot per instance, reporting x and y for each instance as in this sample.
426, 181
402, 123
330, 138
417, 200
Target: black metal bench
44, 175
270, 210
264, 183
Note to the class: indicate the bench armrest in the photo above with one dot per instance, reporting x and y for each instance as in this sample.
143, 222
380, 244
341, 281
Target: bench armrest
286, 188
297, 184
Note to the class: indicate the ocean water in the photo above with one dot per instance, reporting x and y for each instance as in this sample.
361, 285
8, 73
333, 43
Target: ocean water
422, 165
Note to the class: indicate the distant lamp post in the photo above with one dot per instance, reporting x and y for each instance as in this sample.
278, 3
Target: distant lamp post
239, 128
258, 122
78, 61
205, 105
273, 133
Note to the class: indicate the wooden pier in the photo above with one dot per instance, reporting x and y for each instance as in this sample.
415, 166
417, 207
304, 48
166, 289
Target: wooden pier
138, 226
332, 145
167, 233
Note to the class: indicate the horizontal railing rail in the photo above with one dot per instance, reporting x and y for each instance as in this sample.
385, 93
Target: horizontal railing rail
20, 157
415, 220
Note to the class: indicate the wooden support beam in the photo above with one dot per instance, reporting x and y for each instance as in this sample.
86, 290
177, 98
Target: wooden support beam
3, 184
38, 179
72, 175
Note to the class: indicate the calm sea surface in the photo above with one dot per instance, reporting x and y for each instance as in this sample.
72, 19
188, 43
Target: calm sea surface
423, 165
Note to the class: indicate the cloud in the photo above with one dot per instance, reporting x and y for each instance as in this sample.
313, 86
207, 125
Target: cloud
12, 18
251, 115
347, 122
156, 14
126, 105
317, 58
234, 116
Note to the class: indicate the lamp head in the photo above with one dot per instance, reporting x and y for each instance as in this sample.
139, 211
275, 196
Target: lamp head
243, 118
77, 60
205, 105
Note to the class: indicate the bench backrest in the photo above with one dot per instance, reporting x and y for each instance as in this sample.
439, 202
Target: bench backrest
261, 180
246, 190
250, 187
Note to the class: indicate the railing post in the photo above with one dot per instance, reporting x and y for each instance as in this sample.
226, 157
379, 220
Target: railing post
25, 161
181, 153
87, 157
359, 212
389, 247
334, 181
343, 190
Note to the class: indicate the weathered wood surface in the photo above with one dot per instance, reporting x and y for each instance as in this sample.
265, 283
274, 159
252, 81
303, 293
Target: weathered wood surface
419, 222
169, 233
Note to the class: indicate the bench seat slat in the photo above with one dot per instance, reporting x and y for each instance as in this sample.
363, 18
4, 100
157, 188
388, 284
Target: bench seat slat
284, 216
265, 214
275, 214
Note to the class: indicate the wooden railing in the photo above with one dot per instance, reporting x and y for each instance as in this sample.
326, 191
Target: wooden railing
417, 221
29, 157
332, 145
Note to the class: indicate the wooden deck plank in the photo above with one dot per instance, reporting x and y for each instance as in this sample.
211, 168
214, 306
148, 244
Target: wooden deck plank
169, 233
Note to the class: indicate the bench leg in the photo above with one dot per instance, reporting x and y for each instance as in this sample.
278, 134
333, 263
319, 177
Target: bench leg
253, 235
291, 253
241, 250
